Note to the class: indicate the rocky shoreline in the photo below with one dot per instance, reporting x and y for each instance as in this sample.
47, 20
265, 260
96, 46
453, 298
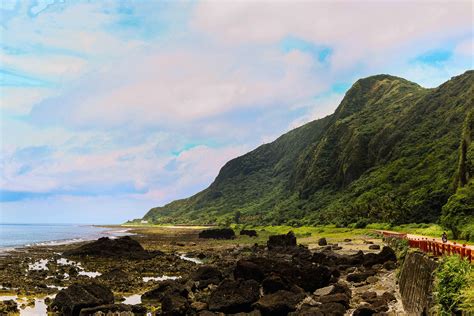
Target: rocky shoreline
174, 272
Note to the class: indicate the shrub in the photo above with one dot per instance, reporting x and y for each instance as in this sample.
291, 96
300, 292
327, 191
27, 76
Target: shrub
380, 226
400, 246
361, 223
452, 282
467, 295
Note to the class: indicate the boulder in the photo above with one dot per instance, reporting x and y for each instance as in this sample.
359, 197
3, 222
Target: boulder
364, 311
115, 309
206, 275
248, 270
274, 283
217, 233
248, 232
358, 277
8, 307
278, 303
374, 247
281, 241
322, 242
165, 287
368, 296
390, 265
387, 254
333, 289
340, 298
333, 309
234, 296
389, 297
71, 300
330, 258
173, 304
325, 290
379, 304
124, 247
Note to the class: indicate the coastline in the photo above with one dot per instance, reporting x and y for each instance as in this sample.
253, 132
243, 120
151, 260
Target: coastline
114, 231
180, 254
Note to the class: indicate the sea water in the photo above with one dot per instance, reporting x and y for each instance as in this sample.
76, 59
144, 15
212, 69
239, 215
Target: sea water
24, 235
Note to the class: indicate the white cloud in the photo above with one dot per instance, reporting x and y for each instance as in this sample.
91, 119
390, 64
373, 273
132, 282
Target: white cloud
355, 29
20, 100
177, 86
466, 48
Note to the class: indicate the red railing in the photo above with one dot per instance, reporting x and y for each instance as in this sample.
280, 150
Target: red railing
437, 248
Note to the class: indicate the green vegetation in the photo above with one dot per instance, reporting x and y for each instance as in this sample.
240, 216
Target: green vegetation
390, 153
458, 213
454, 286
467, 294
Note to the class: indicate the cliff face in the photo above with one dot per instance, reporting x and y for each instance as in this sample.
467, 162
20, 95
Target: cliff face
390, 153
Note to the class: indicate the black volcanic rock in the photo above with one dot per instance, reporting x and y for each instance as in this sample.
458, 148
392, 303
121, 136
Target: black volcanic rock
206, 275
282, 241
70, 301
163, 289
124, 247
248, 232
278, 303
217, 233
248, 270
387, 254
174, 305
234, 296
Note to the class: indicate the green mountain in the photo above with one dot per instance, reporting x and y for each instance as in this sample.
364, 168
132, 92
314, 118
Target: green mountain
390, 153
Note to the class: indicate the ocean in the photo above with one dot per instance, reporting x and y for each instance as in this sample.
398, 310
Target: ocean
23, 235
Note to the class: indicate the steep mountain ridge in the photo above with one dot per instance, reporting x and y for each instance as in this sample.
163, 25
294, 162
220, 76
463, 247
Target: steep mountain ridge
388, 153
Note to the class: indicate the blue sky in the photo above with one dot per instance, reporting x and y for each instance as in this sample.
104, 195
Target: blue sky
109, 108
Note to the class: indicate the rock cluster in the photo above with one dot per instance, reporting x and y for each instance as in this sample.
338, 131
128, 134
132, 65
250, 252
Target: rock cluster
218, 233
281, 279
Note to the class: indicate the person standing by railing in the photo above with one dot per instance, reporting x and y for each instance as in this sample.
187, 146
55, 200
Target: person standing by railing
444, 237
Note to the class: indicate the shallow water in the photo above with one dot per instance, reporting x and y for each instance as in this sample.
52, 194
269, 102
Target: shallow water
195, 260
160, 278
133, 299
38, 310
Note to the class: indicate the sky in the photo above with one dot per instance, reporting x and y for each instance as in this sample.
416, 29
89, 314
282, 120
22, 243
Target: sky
109, 108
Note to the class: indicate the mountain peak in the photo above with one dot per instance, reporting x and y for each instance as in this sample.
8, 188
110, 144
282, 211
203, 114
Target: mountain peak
373, 89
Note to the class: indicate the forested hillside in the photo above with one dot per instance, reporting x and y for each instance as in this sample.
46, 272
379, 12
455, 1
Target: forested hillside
392, 152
